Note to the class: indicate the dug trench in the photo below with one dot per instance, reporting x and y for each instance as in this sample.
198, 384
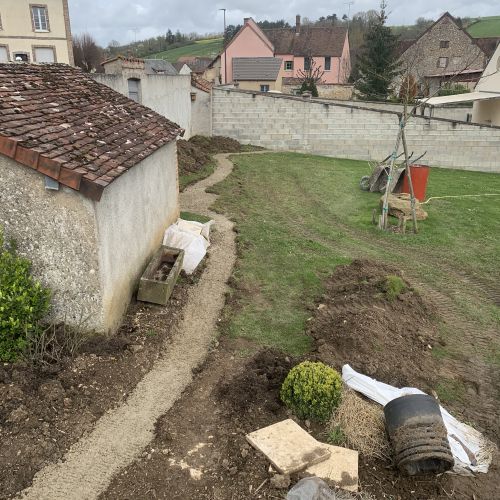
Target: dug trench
200, 450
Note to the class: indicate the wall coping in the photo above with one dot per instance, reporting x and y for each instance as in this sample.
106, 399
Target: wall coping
352, 106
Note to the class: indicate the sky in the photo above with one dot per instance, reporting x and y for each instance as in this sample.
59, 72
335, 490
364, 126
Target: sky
129, 20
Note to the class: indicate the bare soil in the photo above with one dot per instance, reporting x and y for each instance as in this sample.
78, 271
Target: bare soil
44, 411
200, 449
194, 154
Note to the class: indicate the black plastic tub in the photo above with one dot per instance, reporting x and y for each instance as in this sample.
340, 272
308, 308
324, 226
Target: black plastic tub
418, 435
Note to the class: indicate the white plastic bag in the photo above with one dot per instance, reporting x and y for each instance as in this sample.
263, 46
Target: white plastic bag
192, 237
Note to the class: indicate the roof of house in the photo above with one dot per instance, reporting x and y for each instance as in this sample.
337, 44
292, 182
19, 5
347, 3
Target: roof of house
159, 67
200, 83
311, 41
256, 68
56, 119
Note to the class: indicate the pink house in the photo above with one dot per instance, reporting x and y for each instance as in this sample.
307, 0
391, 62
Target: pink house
297, 47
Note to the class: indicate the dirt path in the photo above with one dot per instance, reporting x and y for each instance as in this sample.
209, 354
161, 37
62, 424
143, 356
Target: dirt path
120, 436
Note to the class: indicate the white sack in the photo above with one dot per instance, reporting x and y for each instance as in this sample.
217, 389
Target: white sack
193, 238
470, 448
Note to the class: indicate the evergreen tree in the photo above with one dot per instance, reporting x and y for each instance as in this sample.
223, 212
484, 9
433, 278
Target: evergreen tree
378, 64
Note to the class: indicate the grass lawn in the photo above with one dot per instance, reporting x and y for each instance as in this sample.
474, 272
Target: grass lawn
485, 27
299, 216
189, 178
201, 48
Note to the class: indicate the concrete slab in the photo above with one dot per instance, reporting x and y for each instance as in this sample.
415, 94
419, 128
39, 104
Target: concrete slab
288, 447
341, 468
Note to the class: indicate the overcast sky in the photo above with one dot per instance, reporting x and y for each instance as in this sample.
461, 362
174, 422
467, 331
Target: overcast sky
124, 20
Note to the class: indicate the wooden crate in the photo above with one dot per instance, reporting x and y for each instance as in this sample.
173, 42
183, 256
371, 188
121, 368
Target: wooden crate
159, 278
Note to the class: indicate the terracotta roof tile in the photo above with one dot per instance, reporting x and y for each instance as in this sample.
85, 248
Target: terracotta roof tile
200, 83
58, 120
311, 41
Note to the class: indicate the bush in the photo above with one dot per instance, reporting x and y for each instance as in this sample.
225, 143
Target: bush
393, 287
450, 89
312, 390
23, 301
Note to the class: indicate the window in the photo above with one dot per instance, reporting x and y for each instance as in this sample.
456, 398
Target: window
4, 54
44, 54
134, 89
288, 65
444, 44
442, 62
40, 18
21, 56
264, 88
328, 63
307, 63
1, 27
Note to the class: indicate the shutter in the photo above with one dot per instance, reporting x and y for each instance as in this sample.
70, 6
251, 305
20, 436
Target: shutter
4, 55
44, 55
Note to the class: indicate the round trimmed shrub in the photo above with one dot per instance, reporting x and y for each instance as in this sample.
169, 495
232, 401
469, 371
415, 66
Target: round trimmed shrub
312, 390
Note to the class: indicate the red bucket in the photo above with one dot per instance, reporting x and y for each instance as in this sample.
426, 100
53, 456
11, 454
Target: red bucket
419, 175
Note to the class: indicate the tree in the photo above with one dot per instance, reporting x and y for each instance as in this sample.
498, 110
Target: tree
230, 33
310, 77
88, 55
378, 64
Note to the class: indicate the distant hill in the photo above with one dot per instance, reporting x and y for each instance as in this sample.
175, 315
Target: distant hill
485, 27
208, 48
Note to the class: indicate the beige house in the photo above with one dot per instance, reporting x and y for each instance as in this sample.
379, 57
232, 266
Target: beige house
89, 185
35, 32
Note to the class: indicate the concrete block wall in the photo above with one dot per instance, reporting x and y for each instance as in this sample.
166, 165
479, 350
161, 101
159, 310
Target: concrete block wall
280, 122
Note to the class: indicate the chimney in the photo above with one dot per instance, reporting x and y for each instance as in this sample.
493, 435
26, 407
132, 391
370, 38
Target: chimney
297, 24
245, 20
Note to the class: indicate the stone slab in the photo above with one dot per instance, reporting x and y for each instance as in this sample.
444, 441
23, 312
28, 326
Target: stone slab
341, 468
288, 447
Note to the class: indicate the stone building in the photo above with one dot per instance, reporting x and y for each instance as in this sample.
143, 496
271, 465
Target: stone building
444, 52
89, 184
35, 32
154, 83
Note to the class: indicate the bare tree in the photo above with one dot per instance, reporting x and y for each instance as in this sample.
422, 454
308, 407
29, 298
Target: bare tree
310, 77
88, 55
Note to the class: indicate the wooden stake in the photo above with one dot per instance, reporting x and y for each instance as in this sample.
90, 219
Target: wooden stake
410, 183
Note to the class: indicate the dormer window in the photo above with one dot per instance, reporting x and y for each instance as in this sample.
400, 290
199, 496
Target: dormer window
40, 18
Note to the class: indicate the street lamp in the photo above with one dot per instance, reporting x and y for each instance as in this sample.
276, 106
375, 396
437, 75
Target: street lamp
225, 57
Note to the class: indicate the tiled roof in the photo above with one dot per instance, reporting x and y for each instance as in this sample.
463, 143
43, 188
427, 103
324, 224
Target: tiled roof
311, 41
256, 68
59, 121
200, 83
159, 67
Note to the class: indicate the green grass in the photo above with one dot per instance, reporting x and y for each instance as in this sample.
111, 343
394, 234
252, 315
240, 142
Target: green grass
485, 27
201, 48
196, 217
450, 391
189, 178
300, 216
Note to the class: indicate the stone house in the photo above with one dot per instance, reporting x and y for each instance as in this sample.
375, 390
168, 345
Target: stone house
443, 52
154, 83
89, 184
485, 98
299, 49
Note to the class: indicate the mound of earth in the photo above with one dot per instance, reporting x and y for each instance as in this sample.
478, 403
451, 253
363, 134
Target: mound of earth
356, 323
195, 154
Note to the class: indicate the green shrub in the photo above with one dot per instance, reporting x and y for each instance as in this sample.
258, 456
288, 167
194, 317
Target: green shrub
393, 286
23, 301
312, 390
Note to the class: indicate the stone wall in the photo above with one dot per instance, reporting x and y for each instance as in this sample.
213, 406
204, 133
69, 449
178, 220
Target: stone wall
168, 95
338, 91
282, 122
90, 254
56, 231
